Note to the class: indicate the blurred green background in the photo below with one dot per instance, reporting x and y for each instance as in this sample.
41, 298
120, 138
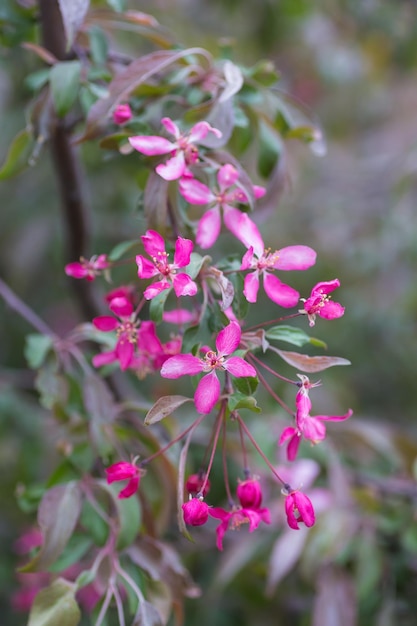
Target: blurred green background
353, 65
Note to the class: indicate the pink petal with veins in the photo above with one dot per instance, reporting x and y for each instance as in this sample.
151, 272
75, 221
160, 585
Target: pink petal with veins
146, 269
124, 352
171, 127
295, 258
155, 289
183, 249
207, 393
239, 367
153, 243
208, 228
228, 339
331, 310
173, 168
227, 176
181, 365
279, 292
251, 286
200, 130
151, 145
195, 192
183, 285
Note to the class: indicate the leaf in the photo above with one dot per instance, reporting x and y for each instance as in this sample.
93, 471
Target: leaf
163, 407
246, 385
36, 349
137, 73
240, 401
224, 285
73, 13
18, 155
147, 615
42, 53
129, 515
101, 411
98, 45
293, 335
335, 601
58, 514
157, 305
234, 80
55, 605
310, 364
196, 263
285, 554
120, 249
64, 79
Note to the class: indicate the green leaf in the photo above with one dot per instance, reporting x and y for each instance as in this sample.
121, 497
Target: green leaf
240, 401
36, 348
163, 407
195, 264
18, 155
120, 249
117, 5
52, 387
55, 605
129, 515
98, 45
246, 385
58, 514
190, 338
157, 305
292, 335
95, 525
64, 80
77, 547
101, 410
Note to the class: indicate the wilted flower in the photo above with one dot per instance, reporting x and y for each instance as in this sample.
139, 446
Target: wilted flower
298, 508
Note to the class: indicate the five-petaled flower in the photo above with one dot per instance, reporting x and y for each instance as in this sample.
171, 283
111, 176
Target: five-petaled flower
307, 426
154, 245
208, 388
122, 114
88, 269
183, 149
234, 519
195, 192
298, 508
195, 512
264, 262
319, 302
126, 329
124, 471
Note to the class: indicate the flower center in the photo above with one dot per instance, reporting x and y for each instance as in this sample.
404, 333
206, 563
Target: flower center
267, 259
161, 263
127, 331
237, 520
213, 361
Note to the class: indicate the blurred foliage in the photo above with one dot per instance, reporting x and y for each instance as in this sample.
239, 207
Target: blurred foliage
353, 64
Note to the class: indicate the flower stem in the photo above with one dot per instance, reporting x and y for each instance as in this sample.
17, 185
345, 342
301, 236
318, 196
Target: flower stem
172, 442
276, 321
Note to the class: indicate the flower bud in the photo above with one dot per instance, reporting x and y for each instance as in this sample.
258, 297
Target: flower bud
122, 114
195, 482
249, 493
195, 512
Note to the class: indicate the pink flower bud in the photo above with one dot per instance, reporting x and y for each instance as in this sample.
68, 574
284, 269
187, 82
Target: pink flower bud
195, 482
249, 493
299, 508
195, 512
124, 471
122, 114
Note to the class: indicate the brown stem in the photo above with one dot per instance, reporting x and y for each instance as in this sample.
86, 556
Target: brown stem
67, 167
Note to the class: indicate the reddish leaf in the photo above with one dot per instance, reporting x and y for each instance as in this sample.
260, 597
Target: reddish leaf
42, 53
310, 364
73, 13
163, 407
285, 554
224, 284
138, 72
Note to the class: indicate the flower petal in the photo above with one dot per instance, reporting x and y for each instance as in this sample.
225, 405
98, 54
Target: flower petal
151, 145
153, 243
238, 367
173, 168
227, 176
251, 286
130, 488
106, 323
183, 285
325, 287
171, 127
104, 358
200, 130
295, 258
305, 508
76, 270
183, 249
331, 310
195, 192
208, 228
207, 393
181, 365
155, 289
121, 306
228, 339
279, 292
335, 418
124, 352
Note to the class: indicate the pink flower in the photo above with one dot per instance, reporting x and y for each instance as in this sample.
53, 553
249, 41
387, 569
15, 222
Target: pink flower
87, 269
195, 512
311, 428
299, 508
122, 114
196, 192
264, 262
235, 518
319, 303
154, 245
124, 291
126, 328
124, 471
183, 150
249, 493
208, 388
195, 482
